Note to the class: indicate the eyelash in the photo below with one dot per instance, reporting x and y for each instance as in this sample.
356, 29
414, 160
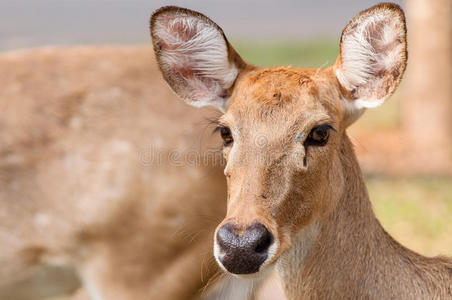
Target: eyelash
226, 134
311, 141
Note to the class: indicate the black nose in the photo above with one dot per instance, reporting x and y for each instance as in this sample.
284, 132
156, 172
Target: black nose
243, 253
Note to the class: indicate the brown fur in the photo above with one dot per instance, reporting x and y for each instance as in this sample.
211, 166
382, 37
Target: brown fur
77, 184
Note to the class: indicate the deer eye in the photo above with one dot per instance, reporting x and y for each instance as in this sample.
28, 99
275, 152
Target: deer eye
226, 135
319, 135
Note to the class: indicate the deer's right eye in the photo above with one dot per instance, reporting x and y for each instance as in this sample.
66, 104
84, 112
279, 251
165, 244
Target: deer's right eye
319, 135
226, 135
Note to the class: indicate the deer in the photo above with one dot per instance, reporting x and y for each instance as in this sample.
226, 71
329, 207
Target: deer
101, 196
297, 201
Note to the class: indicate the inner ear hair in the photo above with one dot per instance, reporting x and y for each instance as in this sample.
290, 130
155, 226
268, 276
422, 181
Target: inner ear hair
194, 56
373, 54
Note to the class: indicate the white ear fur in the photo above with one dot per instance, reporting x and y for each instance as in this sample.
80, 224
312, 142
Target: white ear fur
194, 56
373, 55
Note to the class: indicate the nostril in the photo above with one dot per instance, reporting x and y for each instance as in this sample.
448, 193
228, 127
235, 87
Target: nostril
242, 251
255, 239
261, 237
226, 236
264, 243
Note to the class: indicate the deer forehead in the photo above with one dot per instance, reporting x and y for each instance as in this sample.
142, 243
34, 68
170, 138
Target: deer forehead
275, 86
272, 99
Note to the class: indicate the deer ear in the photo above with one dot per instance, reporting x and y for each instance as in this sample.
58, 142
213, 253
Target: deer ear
373, 55
194, 56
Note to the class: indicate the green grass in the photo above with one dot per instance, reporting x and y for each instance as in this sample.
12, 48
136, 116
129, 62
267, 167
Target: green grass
416, 211
311, 54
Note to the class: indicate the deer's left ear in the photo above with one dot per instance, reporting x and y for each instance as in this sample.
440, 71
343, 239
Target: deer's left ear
373, 55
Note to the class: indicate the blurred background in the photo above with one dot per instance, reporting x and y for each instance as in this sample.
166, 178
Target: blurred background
404, 146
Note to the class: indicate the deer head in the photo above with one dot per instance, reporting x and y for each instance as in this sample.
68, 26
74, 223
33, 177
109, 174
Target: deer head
282, 127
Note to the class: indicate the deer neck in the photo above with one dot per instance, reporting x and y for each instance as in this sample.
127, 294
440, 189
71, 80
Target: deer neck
349, 255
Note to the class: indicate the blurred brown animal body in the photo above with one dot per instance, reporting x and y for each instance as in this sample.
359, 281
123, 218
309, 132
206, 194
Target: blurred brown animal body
296, 196
87, 178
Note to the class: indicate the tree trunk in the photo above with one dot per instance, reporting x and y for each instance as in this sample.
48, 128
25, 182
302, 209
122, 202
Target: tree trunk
427, 103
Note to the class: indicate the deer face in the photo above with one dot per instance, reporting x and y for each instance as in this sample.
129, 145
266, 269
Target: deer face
281, 127
279, 144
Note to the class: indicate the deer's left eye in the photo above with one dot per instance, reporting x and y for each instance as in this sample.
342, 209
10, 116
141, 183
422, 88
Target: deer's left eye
319, 135
226, 135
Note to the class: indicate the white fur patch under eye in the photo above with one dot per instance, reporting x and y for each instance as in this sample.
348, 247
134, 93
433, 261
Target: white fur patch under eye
195, 49
371, 48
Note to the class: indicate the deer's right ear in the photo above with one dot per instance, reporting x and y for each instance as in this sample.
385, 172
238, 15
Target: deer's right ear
194, 56
373, 55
